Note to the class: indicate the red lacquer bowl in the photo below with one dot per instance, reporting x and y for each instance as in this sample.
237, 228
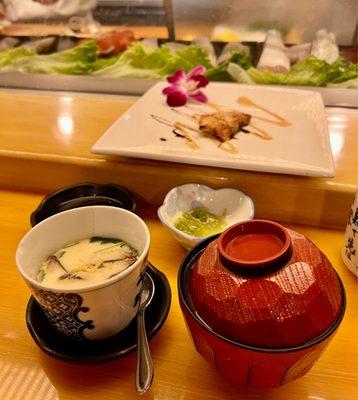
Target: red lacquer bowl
260, 324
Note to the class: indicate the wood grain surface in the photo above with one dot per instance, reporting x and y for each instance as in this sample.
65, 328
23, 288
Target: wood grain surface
45, 142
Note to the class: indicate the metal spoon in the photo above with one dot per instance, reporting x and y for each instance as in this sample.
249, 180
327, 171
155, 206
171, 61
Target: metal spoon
145, 371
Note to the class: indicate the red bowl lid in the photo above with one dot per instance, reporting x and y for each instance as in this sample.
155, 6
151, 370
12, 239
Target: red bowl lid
264, 285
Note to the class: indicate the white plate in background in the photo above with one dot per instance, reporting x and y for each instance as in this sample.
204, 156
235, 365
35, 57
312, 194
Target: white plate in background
303, 148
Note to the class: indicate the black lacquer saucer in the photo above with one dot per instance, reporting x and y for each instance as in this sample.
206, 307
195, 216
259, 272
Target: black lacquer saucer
80, 195
118, 346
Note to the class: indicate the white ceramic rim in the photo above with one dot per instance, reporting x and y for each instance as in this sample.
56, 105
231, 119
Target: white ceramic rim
185, 235
100, 285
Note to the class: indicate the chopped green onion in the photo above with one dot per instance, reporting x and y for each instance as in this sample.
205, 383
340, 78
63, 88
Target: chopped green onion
104, 240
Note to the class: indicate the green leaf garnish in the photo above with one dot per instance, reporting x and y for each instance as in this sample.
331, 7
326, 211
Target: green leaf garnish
41, 275
71, 244
107, 248
104, 240
59, 254
133, 251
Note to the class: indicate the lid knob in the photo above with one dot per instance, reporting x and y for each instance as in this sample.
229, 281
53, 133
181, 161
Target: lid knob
254, 247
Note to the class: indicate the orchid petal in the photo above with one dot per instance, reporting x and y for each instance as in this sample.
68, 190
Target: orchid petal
184, 86
201, 80
170, 89
196, 71
177, 97
200, 97
178, 78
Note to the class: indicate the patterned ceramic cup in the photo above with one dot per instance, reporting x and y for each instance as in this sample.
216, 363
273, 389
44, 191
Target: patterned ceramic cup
350, 248
97, 311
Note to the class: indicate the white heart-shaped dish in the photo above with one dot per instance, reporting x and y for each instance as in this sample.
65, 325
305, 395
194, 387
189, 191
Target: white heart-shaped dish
234, 204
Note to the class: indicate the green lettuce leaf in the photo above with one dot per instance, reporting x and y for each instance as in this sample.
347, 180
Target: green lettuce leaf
264, 77
220, 73
79, 60
349, 84
310, 71
139, 56
186, 59
16, 53
238, 74
104, 62
139, 61
348, 71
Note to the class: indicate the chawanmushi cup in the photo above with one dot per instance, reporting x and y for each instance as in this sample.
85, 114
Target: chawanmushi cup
260, 322
100, 310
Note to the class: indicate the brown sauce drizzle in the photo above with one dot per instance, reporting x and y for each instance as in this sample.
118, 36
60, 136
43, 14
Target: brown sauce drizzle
181, 129
177, 134
280, 121
260, 133
184, 114
162, 120
219, 107
182, 125
228, 147
197, 110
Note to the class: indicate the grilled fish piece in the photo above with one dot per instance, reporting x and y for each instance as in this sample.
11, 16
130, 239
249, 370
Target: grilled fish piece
223, 124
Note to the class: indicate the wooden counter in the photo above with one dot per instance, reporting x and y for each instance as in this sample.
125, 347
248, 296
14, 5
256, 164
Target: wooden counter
180, 373
46, 140
183, 31
32, 29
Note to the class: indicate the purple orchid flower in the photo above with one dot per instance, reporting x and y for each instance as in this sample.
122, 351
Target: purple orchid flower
186, 86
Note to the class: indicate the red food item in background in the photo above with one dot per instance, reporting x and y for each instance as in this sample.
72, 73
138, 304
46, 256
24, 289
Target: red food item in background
114, 43
349, 53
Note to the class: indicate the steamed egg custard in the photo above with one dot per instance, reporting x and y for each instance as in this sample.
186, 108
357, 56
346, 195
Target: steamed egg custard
86, 262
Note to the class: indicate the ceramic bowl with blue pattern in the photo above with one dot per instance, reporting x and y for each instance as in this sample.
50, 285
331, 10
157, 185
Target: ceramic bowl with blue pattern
100, 310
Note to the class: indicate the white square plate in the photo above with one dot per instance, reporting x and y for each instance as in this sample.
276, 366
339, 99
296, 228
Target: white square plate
302, 148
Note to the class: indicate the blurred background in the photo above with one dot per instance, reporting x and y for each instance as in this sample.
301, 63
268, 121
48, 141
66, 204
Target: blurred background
227, 20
